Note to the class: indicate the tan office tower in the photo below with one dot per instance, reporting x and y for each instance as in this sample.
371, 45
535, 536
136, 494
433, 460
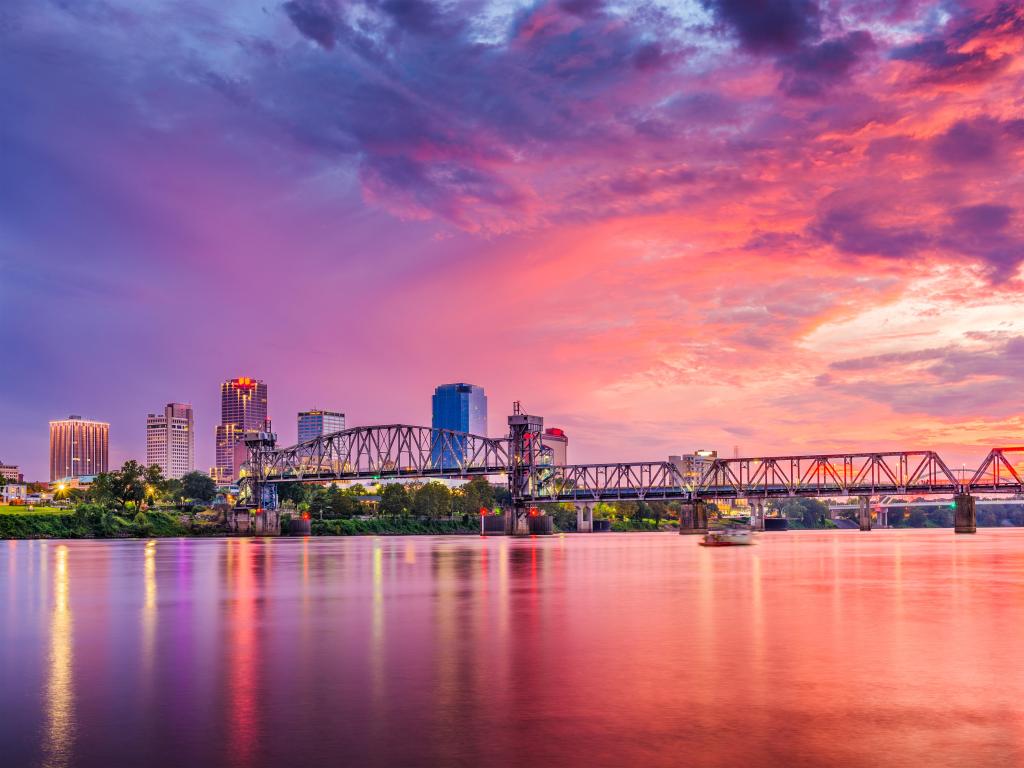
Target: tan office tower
243, 413
78, 448
170, 440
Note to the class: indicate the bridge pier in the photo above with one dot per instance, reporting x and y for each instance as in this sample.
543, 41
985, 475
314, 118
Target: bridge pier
757, 518
584, 518
517, 521
693, 517
964, 517
864, 512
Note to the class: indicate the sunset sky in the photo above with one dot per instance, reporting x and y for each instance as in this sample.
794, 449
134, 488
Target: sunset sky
790, 226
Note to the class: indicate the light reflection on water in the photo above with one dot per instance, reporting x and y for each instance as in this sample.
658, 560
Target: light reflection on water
893, 648
60, 702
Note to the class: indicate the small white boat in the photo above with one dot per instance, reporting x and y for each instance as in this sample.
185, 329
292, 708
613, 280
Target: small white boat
728, 537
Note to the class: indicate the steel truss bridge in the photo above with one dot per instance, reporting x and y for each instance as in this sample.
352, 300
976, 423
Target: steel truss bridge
400, 451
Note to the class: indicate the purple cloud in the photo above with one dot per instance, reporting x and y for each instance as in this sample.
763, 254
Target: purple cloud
769, 26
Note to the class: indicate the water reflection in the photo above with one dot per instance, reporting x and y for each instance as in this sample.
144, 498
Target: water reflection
600, 650
60, 699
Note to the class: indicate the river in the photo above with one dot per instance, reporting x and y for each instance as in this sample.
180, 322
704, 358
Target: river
888, 648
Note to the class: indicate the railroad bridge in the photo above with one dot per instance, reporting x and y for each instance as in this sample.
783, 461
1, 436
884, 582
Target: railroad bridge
398, 451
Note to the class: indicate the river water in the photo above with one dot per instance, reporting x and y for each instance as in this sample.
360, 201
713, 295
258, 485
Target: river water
889, 648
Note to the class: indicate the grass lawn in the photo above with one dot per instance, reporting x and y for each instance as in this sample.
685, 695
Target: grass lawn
26, 510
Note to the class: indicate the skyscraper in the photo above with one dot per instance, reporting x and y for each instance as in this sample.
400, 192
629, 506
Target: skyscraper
460, 407
170, 440
315, 423
78, 447
243, 412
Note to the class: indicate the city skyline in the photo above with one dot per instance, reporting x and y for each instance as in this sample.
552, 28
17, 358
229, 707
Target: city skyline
794, 231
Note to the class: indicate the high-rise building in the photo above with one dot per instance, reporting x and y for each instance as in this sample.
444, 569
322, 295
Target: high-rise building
314, 423
78, 447
243, 413
10, 472
460, 407
692, 466
556, 439
170, 440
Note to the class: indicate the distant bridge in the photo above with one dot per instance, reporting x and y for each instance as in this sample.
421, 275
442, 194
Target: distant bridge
399, 451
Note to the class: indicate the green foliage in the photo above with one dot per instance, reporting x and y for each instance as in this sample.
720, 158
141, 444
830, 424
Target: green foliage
142, 525
432, 500
394, 500
132, 484
474, 495
198, 486
402, 526
563, 516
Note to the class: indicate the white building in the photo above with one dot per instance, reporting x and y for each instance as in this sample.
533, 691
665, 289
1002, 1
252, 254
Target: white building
692, 466
12, 492
556, 439
10, 472
170, 440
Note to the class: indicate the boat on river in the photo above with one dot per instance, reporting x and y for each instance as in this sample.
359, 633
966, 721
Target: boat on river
728, 537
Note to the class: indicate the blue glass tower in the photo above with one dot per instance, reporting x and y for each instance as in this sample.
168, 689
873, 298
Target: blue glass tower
460, 407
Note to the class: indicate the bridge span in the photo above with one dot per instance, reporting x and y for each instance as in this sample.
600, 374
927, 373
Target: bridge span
400, 451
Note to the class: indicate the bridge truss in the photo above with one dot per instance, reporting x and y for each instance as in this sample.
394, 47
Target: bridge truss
378, 452
403, 451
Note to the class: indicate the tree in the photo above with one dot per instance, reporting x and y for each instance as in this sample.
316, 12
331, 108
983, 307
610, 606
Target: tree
198, 486
394, 500
916, 518
432, 500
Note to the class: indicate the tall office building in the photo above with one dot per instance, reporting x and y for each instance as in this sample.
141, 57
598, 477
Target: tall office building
460, 407
78, 448
170, 440
692, 466
555, 439
313, 424
243, 413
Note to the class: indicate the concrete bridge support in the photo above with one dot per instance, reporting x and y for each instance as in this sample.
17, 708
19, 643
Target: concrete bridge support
517, 521
864, 512
757, 515
584, 518
693, 517
964, 518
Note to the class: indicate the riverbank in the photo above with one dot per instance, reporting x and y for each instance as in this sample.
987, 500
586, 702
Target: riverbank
91, 522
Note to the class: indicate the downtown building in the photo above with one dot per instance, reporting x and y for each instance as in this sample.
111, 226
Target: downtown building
170, 440
556, 439
243, 413
316, 423
692, 466
10, 472
462, 408
78, 448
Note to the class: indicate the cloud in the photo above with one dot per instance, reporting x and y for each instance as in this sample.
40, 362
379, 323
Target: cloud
769, 26
316, 19
812, 69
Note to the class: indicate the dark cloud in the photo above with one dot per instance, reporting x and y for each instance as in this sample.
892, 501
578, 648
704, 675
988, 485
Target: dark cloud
969, 142
812, 69
983, 232
854, 228
769, 26
949, 59
316, 19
